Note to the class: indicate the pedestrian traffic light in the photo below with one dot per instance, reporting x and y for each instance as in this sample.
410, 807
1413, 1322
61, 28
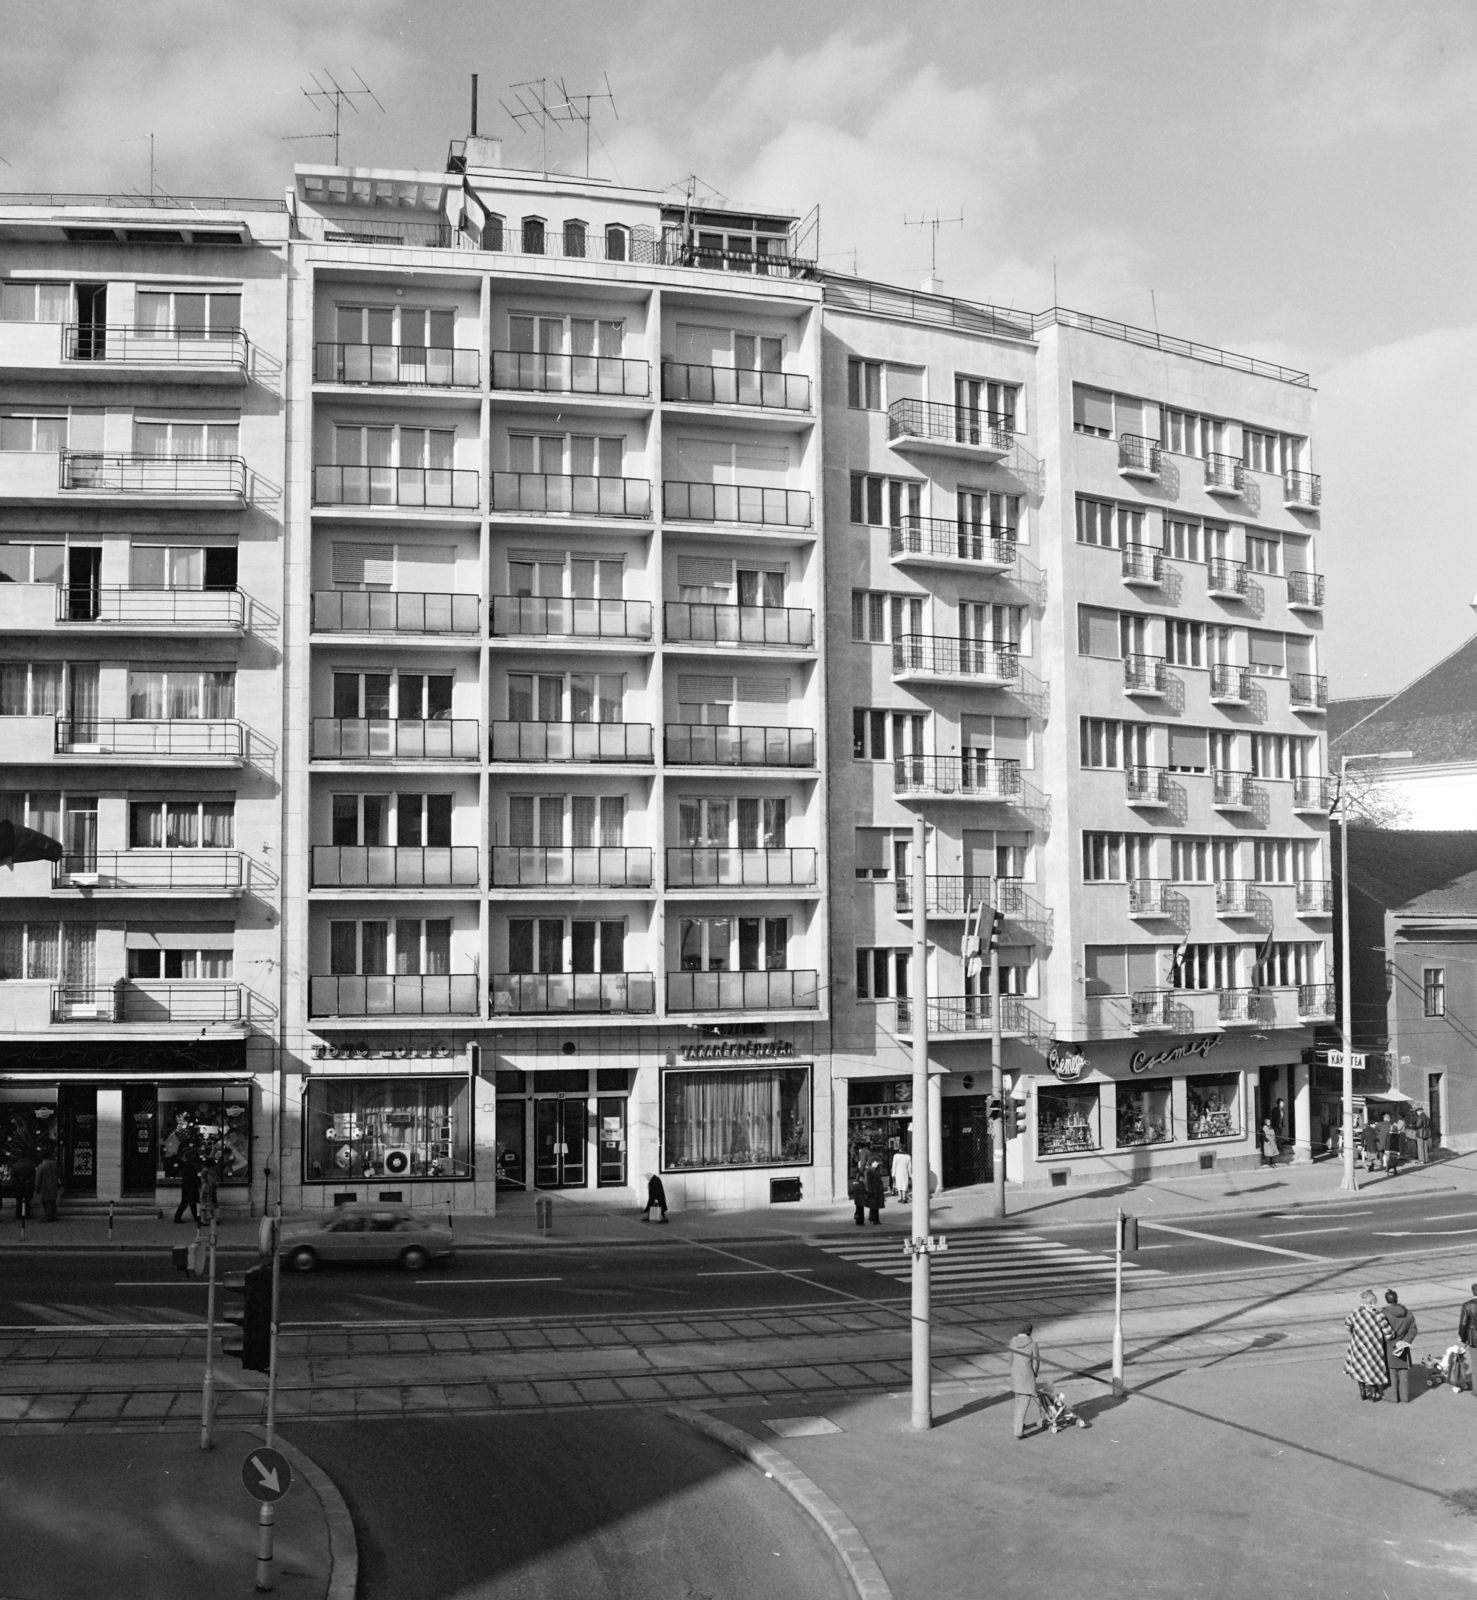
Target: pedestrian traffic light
1012, 1117
253, 1316
993, 1107
1128, 1234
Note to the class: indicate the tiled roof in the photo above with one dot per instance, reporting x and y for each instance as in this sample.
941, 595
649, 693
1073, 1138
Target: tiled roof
1343, 714
1435, 716
1415, 871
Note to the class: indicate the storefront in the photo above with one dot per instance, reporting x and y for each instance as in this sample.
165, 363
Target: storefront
562, 1127
879, 1121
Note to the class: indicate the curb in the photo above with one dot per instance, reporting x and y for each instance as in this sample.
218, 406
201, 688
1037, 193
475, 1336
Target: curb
861, 1566
343, 1544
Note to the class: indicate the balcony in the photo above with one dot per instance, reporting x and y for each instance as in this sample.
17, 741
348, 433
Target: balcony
384, 611
1315, 1002
946, 542
1226, 580
1238, 898
539, 994
1229, 686
1149, 897
170, 354
173, 872
746, 504
404, 366
1230, 791
1225, 475
924, 657
37, 607
1243, 1007
375, 866
1315, 897
950, 430
1302, 491
948, 896
685, 384
1305, 591
150, 1002
957, 778
534, 617
531, 372
184, 740
395, 995
784, 990
764, 627
571, 741
953, 1014
1147, 786
381, 739
1144, 674
1312, 794
408, 488
1139, 457
1151, 1009
564, 494
181, 482
721, 867
1143, 566
696, 745
530, 866
1309, 692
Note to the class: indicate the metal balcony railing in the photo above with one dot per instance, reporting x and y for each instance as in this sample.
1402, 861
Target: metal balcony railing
687, 384
1315, 897
1152, 1008
381, 232
405, 866
1138, 457
785, 990
395, 995
929, 419
537, 617
605, 866
411, 366
955, 658
1143, 674
165, 608
537, 372
1302, 491
971, 1013
571, 494
694, 744
1230, 790
533, 994
1225, 474
73, 1003
1312, 794
146, 1001
1228, 682
1239, 1005
1315, 1001
966, 777
770, 627
151, 871
991, 548
1305, 589
155, 347
386, 611
423, 488
1309, 691
1147, 786
1226, 577
182, 738
1241, 897
771, 264
571, 741
715, 866
95, 471
381, 739
1147, 897
734, 502
948, 896
1143, 563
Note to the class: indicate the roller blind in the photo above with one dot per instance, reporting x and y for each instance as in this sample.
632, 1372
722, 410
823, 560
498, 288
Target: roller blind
1266, 649
767, 690
871, 848
1189, 747
695, 690
1092, 408
1097, 632
703, 572
363, 566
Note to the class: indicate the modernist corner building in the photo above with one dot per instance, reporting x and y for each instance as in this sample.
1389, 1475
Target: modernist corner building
464, 627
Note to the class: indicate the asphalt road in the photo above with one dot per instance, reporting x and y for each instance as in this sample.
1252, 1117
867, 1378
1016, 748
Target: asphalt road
598, 1505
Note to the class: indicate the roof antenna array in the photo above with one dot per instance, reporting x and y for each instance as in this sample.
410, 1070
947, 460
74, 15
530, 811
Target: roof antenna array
537, 108
576, 113
334, 95
935, 222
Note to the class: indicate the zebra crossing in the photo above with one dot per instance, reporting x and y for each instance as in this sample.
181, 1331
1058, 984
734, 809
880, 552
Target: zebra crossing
993, 1261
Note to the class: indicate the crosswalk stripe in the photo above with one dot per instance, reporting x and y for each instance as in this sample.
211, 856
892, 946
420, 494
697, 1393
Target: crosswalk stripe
995, 1261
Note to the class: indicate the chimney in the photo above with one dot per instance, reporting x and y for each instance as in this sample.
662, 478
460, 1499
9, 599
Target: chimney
483, 152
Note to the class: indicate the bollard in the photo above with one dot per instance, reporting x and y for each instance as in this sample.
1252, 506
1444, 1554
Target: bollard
264, 1520
543, 1214
110, 1222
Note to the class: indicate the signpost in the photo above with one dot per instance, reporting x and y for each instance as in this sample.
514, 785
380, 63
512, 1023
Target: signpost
1125, 1240
267, 1477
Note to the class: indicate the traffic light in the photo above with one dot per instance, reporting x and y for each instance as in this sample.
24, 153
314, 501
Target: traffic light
993, 1109
1012, 1117
1128, 1234
997, 922
253, 1316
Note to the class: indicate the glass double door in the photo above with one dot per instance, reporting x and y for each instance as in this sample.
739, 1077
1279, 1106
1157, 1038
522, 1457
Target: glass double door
560, 1135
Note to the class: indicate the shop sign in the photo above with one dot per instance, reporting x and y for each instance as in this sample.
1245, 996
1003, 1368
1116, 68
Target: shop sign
1141, 1060
441, 1051
739, 1050
1067, 1062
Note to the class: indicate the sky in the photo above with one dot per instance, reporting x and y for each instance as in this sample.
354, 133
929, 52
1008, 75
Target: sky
1290, 180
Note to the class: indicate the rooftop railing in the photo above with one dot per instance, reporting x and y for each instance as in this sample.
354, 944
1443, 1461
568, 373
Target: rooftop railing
395, 995
571, 741
698, 745
684, 383
955, 658
571, 494
733, 502
553, 993
953, 540
786, 990
538, 617
968, 777
386, 739
538, 372
123, 606
155, 347
423, 488
392, 611
377, 866
721, 867
408, 366
990, 431
527, 866
767, 627
104, 472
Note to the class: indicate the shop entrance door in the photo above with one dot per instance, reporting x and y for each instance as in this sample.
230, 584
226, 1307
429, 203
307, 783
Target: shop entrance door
1433, 1106
966, 1133
559, 1144
77, 1113
612, 1170
512, 1169
140, 1138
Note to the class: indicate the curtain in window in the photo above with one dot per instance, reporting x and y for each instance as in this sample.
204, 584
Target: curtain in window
79, 957
182, 827
438, 947
343, 947
613, 819
407, 946
41, 952
374, 947
151, 314
218, 824
12, 951
14, 676
220, 694
146, 694
182, 695
46, 689
737, 1118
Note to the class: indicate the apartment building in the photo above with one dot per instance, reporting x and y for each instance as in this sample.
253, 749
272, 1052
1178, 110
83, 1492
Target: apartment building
1074, 615
142, 408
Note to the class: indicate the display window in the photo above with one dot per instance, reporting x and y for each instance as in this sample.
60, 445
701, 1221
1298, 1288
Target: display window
401, 1128
206, 1128
29, 1129
879, 1120
1213, 1101
1068, 1121
1144, 1115
738, 1117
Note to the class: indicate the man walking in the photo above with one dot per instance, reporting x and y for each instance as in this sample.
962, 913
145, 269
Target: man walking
1421, 1126
1025, 1368
48, 1186
876, 1193
1466, 1333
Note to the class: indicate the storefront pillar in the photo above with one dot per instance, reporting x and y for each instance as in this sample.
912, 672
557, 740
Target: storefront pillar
110, 1144
1302, 1114
936, 1131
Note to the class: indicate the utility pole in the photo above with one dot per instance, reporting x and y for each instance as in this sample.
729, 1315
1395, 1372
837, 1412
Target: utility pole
919, 1244
997, 1077
207, 1393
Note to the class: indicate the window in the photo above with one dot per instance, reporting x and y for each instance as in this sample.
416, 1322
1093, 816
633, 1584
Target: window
33, 433
1181, 539
32, 688
1433, 991
1108, 743
533, 236
617, 243
1189, 860
62, 952
1067, 1120
181, 824
186, 314
406, 947
1277, 453
1268, 654
405, 696
1098, 633
996, 626
876, 501
1281, 755
1205, 966
538, 333
871, 855
1144, 1115
578, 455
975, 398
35, 302
371, 819
863, 384
728, 944
160, 566
552, 574
1120, 969
1213, 1103
560, 697
33, 563
1189, 750
1102, 857
171, 439
871, 610
721, 821
1184, 643
575, 238
1293, 964
1187, 433
869, 734
1264, 553
549, 945
1101, 522
70, 818
160, 693
738, 1117
592, 819
433, 448
173, 963
1092, 411
882, 974
354, 1125
1279, 860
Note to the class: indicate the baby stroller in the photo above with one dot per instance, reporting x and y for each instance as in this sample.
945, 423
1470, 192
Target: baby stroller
1451, 1367
1056, 1414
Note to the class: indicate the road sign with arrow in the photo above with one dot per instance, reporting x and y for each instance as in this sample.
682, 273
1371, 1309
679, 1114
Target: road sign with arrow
266, 1474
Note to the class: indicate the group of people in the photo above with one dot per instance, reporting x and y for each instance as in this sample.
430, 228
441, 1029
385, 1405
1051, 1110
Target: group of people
1380, 1339
33, 1180
1383, 1142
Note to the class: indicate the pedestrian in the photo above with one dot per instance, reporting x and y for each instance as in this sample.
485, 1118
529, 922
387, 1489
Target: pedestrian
23, 1176
876, 1188
1421, 1126
1279, 1119
902, 1175
1397, 1352
857, 1192
1270, 1146
1365, 1360
1382, 1141
1370, 1139
1396, 1151
656, 1199
48, 1186
1025, 1369
209, 1190
1466, 1332
189, 1190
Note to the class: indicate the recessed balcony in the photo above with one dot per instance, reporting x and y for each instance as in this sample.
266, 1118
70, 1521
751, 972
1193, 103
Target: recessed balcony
541, 994
950, 430
949, 542
400, 366
686, 384
1143, 566
118, 352
384, 739
564, 494
745, 504
698, 745
1147, 786
1225, 580
386, 611
1144, 675
526, 866
571, 741
539, 372
1231, 791
184, 740
1312, 794
1305, 591
758, 627
535, 617
784, 990
1242, 898
80, 607
1139, 458
1315, 1002
967, 777
374, 866
395, 995
404, 488
1302, 491
190, 873
722, 867
1229, 685
934, 658
1242, 1007
1315, 897
1309, 692
50, 478
1150, 897
1225, 476
150, 1002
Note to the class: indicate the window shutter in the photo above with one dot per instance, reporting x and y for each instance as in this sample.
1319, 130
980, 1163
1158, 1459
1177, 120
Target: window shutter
1189, 747
761, 457
361, 566
871, 849
1092, 408
1266, 649
703, 572
1097, 632
694, 690
1144, 967
764, 691
1105, 968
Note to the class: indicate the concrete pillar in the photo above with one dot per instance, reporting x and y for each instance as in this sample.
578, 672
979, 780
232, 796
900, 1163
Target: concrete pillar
936, 1129
109, 1148
1302, 1114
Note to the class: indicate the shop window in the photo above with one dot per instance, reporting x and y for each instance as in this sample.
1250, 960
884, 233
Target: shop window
204, 1128
756, 1117
1067, 1121
400, 1128
1144, 1115
1213, 1101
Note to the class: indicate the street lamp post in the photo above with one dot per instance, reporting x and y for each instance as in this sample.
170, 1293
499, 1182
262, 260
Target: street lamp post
922, 1174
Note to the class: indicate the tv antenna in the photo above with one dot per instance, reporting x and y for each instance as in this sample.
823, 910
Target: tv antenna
333, 94
934, 223
534, 111
572, 111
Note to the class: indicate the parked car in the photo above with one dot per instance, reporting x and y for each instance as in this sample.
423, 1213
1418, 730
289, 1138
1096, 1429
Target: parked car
363, 1231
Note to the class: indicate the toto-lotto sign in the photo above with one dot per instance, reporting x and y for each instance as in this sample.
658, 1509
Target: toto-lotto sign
1067, 1061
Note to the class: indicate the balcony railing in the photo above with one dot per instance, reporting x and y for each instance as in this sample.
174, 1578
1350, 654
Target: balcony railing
159, 608
1138, 457
1242, 897
964, 777
971, 1013
154, 347
1148, 897
1143, 674
1229, 683
940, 656
735, 502
94, 472
571, 741
537, 617
183, 738
1152, 1008
571, 494
693, 744
948, 896
1315, 1001
1312, 794
380, 739
769, 627
406, 866
1224, 474
395, 995
990, 431
412, 366
422, 488
989, 548
539, 373
1226, 577
142, 1001
1240, 1005
1302, 491
1147, 786
528, 866
712, 867
534, 994
1143, 564
1305, 589
1309, 691
1231, 791
152, 871
385, 611
785, 990
1315, 897
734, 386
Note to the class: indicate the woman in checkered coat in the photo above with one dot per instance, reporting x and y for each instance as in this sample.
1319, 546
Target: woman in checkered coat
1366, 1362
